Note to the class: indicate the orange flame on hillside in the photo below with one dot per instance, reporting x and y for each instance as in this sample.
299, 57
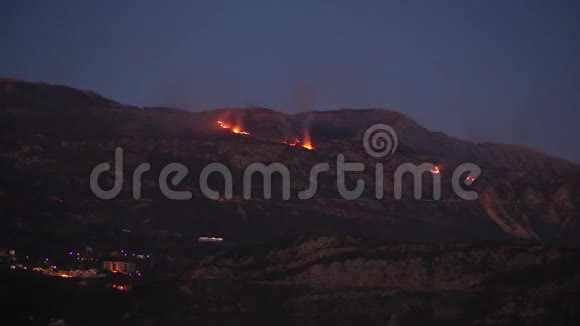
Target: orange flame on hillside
224, 125
238, 130
435, 170
234, 129
307, 141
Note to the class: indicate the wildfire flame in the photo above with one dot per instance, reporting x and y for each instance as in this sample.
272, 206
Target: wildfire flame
223, 124
435, 170
306, 141
234, 129
238, 130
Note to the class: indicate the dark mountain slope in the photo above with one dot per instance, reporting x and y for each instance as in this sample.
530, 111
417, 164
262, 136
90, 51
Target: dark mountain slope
53, 136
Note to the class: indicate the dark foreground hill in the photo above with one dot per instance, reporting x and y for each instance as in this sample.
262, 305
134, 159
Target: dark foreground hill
324, 281
342, 280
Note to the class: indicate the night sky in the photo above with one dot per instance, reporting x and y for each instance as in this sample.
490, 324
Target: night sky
506, 70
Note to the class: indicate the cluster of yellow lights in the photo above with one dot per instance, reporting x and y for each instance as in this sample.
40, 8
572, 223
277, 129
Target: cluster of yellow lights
120, 287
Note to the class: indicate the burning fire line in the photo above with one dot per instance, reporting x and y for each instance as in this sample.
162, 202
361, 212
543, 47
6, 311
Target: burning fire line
234, 129
306, 142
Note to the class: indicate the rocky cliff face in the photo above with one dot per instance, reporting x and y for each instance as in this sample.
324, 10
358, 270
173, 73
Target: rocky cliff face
331, 262
454, 283
53, 136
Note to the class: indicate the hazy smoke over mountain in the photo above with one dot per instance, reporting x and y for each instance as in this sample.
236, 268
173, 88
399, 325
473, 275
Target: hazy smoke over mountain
306, 95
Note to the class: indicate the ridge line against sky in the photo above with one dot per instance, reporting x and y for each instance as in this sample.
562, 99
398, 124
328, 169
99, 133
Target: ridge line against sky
502, 71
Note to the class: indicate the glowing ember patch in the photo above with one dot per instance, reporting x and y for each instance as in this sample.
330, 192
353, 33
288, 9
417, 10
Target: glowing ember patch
435, 170
470, 179
293, 142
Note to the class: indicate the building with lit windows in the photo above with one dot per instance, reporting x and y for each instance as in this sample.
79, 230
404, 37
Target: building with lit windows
123, 267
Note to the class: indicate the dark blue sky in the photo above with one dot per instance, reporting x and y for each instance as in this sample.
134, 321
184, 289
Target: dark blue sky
505, 70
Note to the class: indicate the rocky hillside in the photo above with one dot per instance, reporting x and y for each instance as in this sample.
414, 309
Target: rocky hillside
331, 262
452, 284
51, 137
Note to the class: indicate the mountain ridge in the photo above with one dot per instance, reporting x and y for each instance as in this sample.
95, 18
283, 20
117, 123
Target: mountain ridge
524, 195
